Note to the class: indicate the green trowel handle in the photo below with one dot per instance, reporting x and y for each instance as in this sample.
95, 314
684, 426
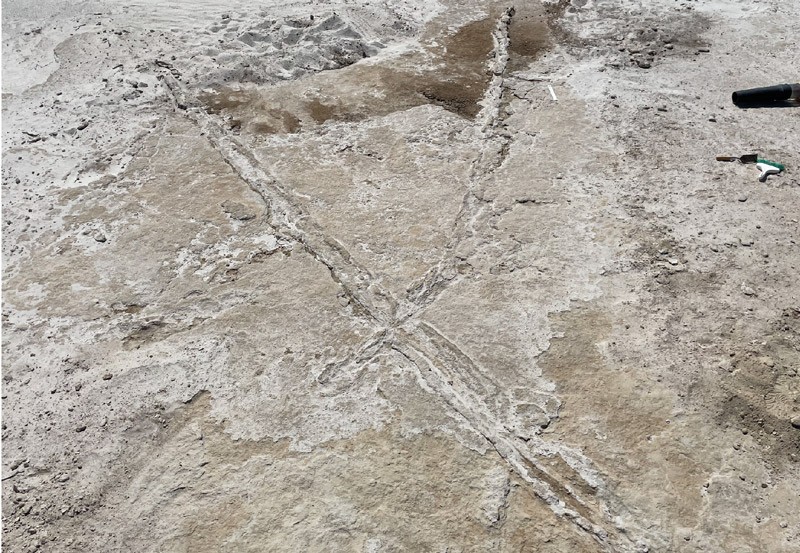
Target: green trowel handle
774, 164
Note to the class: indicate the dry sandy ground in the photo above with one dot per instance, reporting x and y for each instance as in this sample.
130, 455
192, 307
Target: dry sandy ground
345, 276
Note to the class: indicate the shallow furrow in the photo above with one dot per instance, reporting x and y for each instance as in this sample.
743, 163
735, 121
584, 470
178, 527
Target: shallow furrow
289, 218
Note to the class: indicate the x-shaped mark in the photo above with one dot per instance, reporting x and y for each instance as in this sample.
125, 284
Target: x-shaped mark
457, 379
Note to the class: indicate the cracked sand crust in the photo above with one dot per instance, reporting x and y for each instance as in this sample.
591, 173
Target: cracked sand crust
334, 277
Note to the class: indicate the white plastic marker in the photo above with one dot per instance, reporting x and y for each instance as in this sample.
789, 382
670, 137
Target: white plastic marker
767, 169
552, 93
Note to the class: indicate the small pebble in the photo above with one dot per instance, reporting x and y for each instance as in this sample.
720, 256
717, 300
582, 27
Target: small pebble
107, 376
81, 428
742, 198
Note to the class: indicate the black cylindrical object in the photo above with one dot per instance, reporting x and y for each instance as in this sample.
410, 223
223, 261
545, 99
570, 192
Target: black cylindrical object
766, 95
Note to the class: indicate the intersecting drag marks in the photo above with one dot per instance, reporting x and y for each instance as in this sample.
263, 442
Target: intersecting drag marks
495, 147
454, 384
443, 366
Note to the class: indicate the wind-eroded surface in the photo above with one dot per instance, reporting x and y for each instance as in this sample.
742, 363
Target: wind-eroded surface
329, 277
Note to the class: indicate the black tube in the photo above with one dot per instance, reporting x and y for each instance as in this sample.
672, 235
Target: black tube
765, 95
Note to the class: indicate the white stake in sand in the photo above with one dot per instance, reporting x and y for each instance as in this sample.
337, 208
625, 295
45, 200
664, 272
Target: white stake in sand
552, 93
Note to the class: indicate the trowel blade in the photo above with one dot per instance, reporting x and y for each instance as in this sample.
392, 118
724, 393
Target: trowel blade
747, 158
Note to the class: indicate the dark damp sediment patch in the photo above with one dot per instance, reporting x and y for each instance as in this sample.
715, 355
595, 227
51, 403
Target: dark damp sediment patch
239, 104
290, 121
263, 128
455, 78
320, 112
451, 97
460, 86
467, 51
529, 36
223, 98
451, 70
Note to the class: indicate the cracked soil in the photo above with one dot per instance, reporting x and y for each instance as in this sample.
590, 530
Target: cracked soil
399, 276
